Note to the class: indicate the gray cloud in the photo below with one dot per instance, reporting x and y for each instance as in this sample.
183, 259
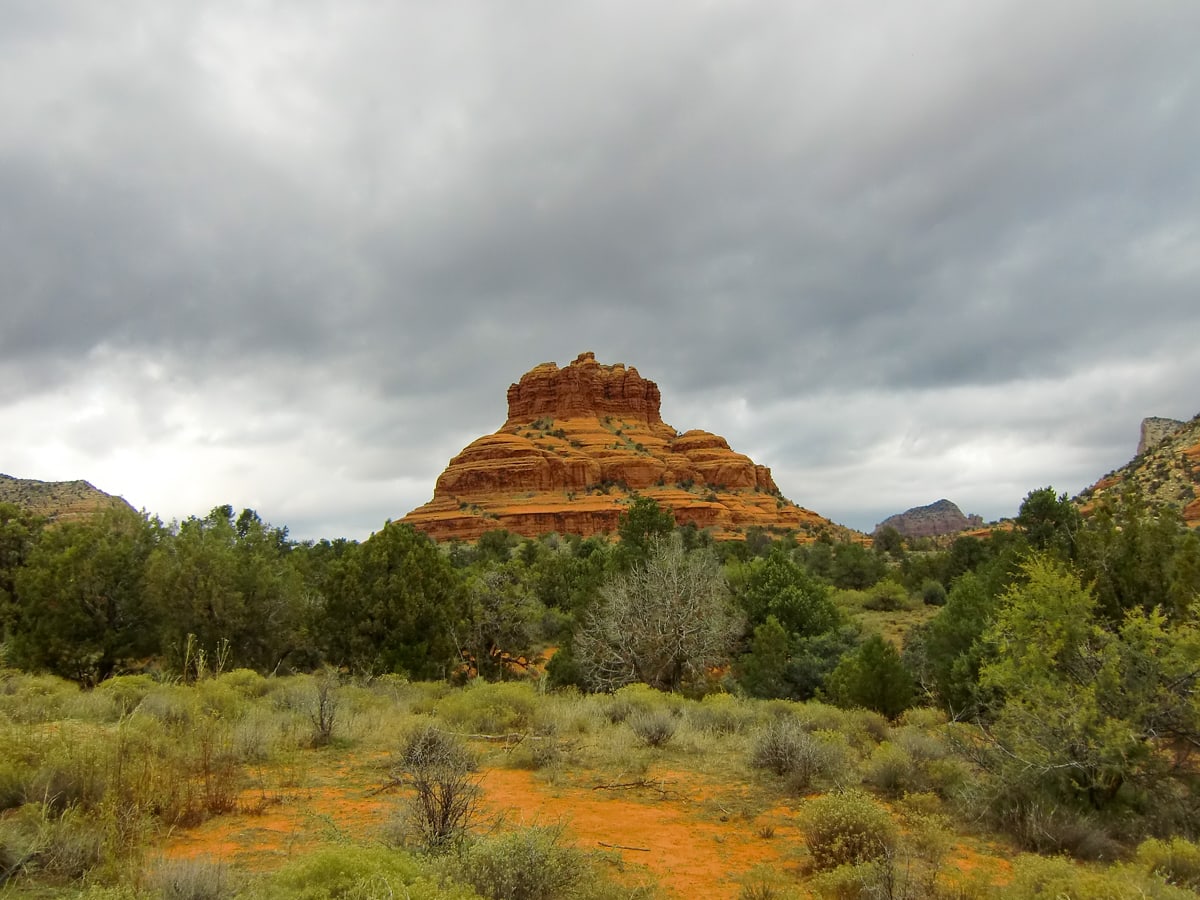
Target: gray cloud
296, 252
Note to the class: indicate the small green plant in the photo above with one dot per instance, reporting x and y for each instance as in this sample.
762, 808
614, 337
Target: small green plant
933, 593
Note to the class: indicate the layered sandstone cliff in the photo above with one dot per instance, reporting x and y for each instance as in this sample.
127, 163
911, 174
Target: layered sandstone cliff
578, 442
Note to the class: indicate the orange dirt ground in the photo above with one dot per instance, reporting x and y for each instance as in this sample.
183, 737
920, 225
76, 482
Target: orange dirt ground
676, 831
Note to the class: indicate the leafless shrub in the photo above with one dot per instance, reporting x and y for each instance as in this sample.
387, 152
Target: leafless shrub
439, 769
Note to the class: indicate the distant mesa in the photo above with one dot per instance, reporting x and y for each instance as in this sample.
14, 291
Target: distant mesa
578, 442
934, 520
57, 501
1166, 469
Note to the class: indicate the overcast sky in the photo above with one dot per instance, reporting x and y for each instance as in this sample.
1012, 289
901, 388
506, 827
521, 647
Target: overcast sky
291, 255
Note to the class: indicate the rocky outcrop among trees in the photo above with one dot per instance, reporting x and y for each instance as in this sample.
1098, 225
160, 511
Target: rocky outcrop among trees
578, 442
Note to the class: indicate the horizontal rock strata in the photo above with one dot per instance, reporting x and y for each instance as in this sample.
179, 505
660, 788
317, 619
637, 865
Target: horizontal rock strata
578, 443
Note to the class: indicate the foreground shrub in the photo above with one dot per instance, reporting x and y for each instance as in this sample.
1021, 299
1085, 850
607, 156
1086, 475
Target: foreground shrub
654, 727
1044, 826
846, 829
785, 748
192, 879
439, 769
495, 708
354, 873
1055, 877
720, 714
37, 840
1176, 861
529, 864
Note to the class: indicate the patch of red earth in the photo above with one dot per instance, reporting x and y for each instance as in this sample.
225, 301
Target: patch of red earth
262, 837
672, 839
678, 835
965, 866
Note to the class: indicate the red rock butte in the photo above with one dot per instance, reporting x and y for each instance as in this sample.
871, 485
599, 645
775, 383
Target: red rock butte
578, 443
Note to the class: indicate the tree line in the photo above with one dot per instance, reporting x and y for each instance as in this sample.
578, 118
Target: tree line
1068, 647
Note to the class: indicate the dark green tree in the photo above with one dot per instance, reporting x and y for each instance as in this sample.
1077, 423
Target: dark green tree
873, 677
1138, 556
79, 610
952, 649
228, 587
1050, 522
777, 586
395, 604
762, 672
1088, 707
19, 532
640, 527
889, 540
855, 567
503, 625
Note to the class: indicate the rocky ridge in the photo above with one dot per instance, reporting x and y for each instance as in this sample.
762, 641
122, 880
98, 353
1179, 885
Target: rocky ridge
1165, 471
942, 517
578, 442
57, 501
1156, 429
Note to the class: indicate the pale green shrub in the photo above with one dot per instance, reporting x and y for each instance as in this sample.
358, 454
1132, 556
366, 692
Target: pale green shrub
846, 829
785, 748
1057, 878
354, 873
527, 864
1176, 861
654, 727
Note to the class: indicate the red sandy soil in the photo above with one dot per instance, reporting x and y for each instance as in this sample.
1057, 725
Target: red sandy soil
676, 830
667, 831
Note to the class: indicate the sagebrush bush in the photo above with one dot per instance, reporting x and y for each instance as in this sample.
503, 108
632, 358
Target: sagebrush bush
846, 829
785, 748
654, 727
246, 682
39, 840
812, 716
1175, 861
1044, 826
1053, 877
495, 708
29, 699
192, 879
891, 769
527, 864
354, 873
126, 691
924, 718
721, 714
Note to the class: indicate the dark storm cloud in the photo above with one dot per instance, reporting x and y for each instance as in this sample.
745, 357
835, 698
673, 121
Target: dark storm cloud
363, 221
